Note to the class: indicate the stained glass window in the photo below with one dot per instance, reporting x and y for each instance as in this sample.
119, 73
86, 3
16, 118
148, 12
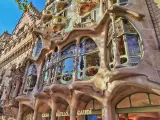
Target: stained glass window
46, 68
31, 78
37, 48
66, 65
128, 45
88, 64
69, 51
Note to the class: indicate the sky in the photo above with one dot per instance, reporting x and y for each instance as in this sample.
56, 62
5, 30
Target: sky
10, 14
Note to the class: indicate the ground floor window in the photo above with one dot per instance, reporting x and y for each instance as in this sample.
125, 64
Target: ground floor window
139, 106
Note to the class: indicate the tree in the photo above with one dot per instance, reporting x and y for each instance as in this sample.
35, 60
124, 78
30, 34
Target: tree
23, 5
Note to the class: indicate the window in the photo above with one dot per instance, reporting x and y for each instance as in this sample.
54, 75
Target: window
46, 68
54, 61
129, 44
88, 59
38, 47
139, 100
31, 79
66, 64
122, 2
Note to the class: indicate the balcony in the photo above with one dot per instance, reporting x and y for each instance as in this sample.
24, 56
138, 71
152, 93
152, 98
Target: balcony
86, 6
61, 4
59, 22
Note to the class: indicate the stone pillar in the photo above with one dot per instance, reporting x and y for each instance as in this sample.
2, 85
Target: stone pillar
114, 42
101, 8
20, 112
73, 108
107, 112
54, 110
15, 93
35, 114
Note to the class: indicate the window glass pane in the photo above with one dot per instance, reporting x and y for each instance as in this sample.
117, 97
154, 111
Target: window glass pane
46, 73
32, 70
92, 60
81, 67
155, 99
33, 81
59, 68
133, 45
94, 105
121, 47
88, 45
37, 48
139, 99
69, 51
68, 65
123, 2
128, 28
125, 103
54, 57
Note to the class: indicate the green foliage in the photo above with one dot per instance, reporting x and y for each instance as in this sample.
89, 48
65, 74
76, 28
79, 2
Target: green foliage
23, 5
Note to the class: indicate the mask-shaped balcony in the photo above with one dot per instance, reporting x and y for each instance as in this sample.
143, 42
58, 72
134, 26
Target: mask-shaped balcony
86, 6
59, 23
61, 4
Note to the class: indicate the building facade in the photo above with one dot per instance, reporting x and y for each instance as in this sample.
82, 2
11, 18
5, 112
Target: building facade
83, 60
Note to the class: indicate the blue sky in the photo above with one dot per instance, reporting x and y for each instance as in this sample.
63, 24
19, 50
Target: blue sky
10, 14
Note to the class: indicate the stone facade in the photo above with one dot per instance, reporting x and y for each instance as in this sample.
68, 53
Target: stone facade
83, 60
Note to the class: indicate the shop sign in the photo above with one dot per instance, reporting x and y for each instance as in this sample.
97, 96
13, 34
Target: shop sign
44, 115
79, 112
84, 112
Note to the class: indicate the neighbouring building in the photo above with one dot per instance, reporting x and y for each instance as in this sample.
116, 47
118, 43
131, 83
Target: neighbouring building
83, 60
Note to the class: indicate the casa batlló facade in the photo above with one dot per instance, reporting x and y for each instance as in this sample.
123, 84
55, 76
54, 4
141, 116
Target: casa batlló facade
83, 60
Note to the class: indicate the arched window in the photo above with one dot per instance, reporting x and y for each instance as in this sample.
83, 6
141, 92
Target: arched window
46, 68
88, 59
31, 79
37, 47
66, 65
129, 44
54, 62
96, 108
138, 100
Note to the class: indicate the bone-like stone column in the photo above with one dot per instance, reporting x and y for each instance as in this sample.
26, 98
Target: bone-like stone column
107, 112
73, 108
20, 112
35, 114
54, 109
16, 89
115, 42
101, 8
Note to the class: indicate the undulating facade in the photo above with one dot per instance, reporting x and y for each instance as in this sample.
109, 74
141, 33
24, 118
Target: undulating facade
83, 60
